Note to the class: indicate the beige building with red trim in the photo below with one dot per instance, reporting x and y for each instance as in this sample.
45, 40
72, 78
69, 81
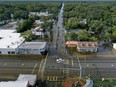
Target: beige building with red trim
83, 46
87, 46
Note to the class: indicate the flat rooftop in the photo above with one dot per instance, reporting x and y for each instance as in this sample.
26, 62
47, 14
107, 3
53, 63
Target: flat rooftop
26, 77
10, 39
33, 45
14, 84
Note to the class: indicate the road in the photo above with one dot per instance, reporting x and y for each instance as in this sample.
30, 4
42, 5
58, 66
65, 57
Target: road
10, 68
96, 67
55, 71
104, 67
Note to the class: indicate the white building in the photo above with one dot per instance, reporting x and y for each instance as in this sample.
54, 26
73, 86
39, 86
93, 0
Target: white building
38, 22
32, 48
25, 77
38, 31
84, 21
45, 14
14, 84
114, 46
9, 41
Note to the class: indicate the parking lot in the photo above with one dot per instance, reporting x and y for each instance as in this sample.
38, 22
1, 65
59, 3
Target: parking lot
10, 25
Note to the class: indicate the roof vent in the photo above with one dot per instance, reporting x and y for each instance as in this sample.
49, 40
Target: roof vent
8, 46
12, 43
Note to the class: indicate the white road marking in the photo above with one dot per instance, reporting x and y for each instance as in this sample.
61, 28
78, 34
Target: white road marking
34, 68
5, 64
23, 64
87, 65
112, 65
72, 62
40, 67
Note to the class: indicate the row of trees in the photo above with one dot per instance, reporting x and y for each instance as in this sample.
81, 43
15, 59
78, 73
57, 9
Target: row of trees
26, 25
29, 36
100, 16
82, 35
20, 10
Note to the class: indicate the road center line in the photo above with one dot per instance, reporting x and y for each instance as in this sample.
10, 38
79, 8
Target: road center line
40, 67
72, 62
34, 68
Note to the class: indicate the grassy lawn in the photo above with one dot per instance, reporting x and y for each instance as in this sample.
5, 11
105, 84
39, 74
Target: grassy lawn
105, 83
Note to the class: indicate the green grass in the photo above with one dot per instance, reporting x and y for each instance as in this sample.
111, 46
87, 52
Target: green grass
105, 83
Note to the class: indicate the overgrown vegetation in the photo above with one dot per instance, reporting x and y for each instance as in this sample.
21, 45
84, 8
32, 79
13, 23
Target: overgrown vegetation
97, 18
29, 36
26, 25
20, 10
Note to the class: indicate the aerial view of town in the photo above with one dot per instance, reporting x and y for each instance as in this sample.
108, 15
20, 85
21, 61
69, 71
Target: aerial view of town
57, 43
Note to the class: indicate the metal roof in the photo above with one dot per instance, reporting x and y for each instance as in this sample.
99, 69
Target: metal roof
10, 39
33, 45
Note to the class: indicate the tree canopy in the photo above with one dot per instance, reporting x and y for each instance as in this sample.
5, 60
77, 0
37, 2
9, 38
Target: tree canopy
100, 18
20, 10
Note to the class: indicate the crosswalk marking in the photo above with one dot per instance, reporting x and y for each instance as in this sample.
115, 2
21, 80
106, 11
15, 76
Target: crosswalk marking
53, 78
54, 56
66, 72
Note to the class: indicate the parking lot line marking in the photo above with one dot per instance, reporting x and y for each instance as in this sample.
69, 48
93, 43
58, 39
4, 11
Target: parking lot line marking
34, 68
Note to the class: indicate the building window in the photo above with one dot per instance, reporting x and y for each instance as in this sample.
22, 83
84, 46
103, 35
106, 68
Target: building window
8, 52
13, 52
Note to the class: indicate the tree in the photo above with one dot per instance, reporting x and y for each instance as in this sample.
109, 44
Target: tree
113, 37
83, 35
1, 17
20, 14
7, 14
100, 18
29, 36
26, 25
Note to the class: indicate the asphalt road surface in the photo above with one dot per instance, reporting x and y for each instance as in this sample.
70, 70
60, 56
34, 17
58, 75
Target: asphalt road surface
103, 67
10, 68
57, 50
95, 67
